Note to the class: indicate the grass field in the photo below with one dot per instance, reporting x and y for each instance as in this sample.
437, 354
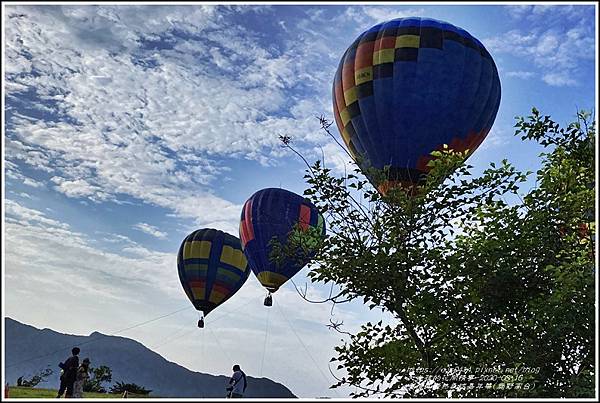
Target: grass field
31, 393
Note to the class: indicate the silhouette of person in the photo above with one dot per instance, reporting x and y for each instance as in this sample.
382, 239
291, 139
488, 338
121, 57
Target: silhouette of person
237, 383
82, 376
67, 378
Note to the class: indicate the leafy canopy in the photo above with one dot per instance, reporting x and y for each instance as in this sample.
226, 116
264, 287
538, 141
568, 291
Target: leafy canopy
489, 286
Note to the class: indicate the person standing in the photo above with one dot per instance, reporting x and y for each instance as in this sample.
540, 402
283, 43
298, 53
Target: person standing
82, 376
67, 379
237, 382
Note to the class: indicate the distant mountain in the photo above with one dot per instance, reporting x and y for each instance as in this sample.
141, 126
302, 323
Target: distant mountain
129, 361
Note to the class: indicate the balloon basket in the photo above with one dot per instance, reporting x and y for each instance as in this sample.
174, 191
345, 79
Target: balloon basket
268, 300
201, 320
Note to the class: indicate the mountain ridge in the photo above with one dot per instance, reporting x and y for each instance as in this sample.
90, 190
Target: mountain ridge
29, 349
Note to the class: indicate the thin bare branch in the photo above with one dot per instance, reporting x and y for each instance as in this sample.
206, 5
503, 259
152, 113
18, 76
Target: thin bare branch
336, 326
330, 299
325, 125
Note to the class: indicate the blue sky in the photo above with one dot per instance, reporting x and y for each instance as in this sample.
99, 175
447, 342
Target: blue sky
127, 127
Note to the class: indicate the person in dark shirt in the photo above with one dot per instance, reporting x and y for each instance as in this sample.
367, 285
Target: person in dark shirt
67, 379
237, 383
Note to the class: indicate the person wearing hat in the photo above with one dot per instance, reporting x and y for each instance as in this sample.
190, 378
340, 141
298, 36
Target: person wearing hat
82, 376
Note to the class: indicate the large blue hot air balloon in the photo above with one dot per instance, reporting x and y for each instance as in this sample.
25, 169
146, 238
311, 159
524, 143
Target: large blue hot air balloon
408, 86
276, 214
211, 267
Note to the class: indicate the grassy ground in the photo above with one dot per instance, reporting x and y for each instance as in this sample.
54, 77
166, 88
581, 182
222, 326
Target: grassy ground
29, 393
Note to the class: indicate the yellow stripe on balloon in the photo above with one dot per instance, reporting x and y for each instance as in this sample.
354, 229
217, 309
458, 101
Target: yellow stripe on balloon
198, 292
271, 280
384, 56
363, 75
233, 257
345, 116
346, 135
216, 297
350, 96
196, 250
408, 41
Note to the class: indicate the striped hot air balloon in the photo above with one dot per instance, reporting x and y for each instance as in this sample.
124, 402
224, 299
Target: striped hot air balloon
277, 214
406, 87
212, 267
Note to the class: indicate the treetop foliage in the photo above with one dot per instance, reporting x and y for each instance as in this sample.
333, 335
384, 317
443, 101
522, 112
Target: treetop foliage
480, 276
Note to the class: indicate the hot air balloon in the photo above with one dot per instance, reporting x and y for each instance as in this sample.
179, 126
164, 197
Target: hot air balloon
406, 87
212, 267
274, 217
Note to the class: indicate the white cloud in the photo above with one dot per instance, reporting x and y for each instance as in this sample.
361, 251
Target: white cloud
545, 13
496, 138
154, 133
546, 45
381, 14
11, 171
335, 158
559, 80
520, 74
32, 183
557, 53
79, 188
518, 11
52, 251
50, 266
115, 238
26, 216
150, 229
366, 16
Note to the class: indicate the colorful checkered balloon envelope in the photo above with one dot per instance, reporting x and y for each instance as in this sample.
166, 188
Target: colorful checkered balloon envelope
211, 267
275, 217
406, 87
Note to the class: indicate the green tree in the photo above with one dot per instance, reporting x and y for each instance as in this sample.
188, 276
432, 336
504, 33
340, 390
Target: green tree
35, 379
486, 283
98, 376
121, 387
